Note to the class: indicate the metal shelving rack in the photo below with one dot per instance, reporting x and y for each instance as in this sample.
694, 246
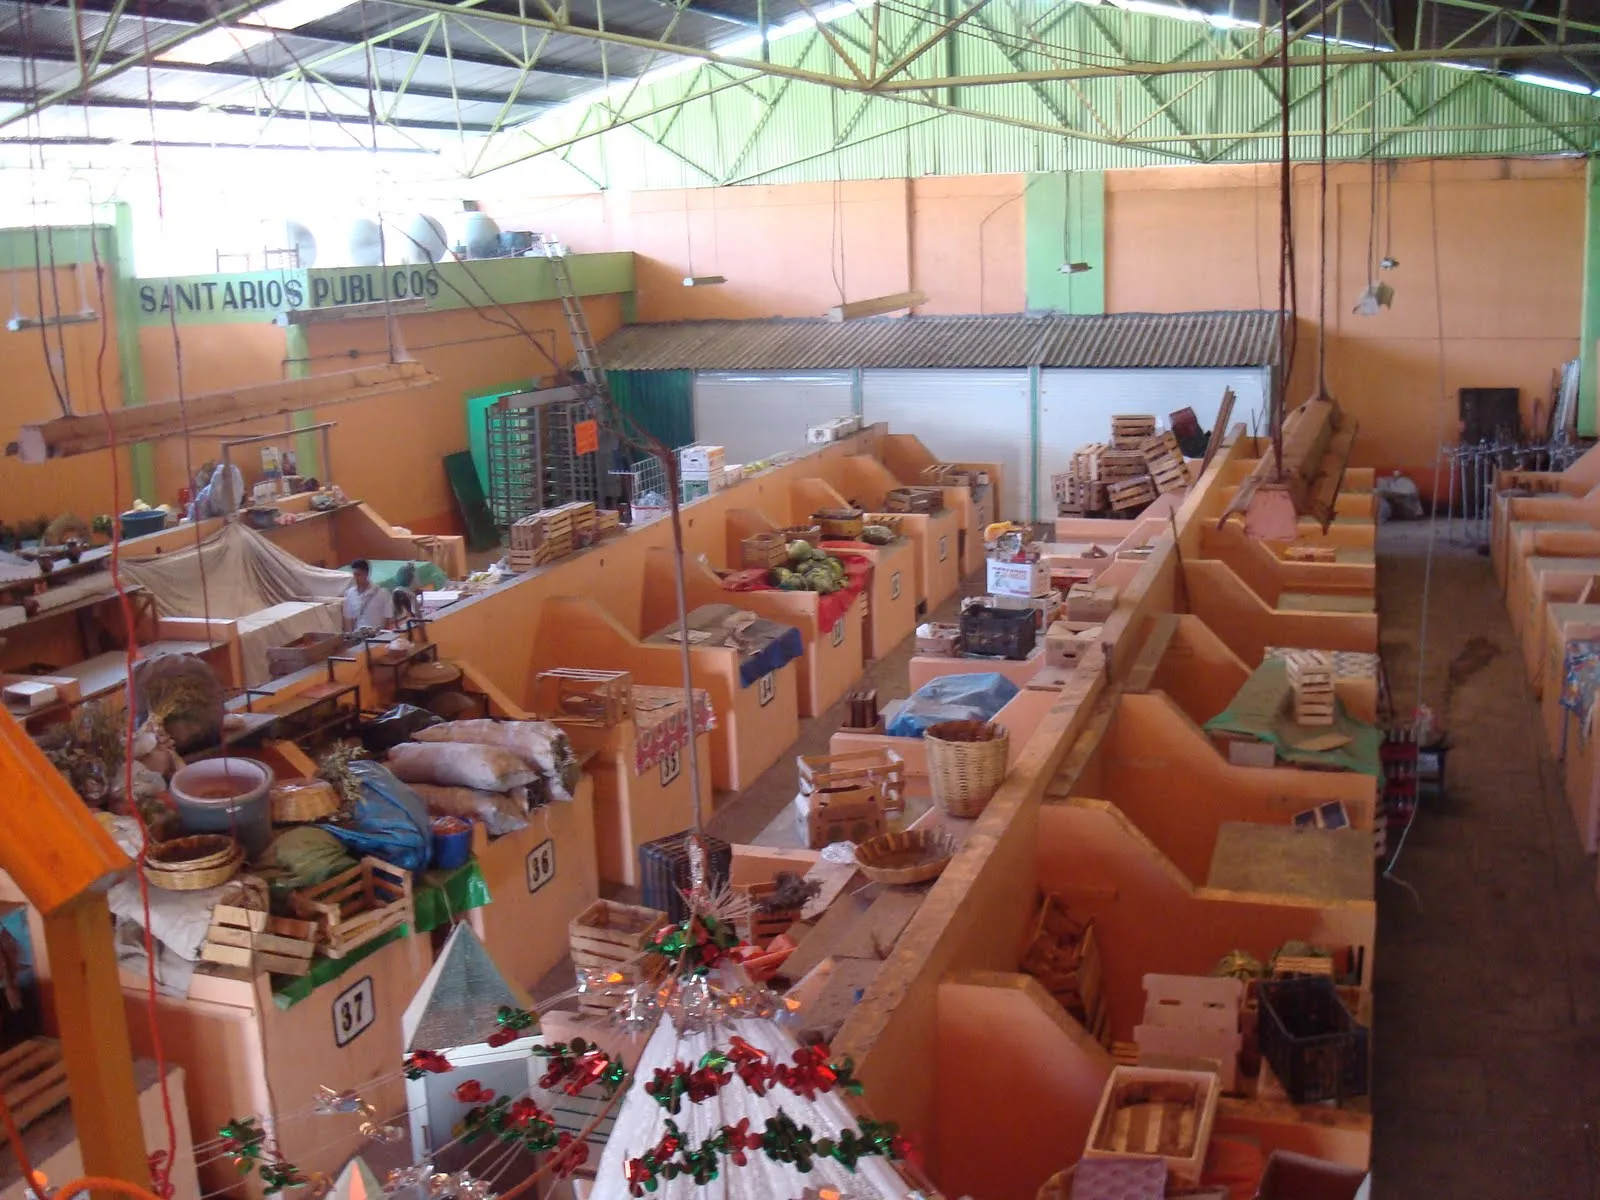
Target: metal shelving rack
533, 461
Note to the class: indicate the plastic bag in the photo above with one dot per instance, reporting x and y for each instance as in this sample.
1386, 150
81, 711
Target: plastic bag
974, 697
306, 855
399, 724
390, 821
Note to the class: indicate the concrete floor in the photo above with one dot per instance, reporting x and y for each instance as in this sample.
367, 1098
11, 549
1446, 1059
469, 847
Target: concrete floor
1487, 986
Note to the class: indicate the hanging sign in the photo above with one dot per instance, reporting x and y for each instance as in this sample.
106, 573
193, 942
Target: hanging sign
586, 437
354, 1011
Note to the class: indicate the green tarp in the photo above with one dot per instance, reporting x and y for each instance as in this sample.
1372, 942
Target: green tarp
1261, 709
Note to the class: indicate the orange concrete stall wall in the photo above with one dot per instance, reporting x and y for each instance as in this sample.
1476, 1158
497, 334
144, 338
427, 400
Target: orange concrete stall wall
788, 250
1509, 271
81, 485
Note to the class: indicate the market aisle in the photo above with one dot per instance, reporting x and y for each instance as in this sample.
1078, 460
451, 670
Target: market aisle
1488, 994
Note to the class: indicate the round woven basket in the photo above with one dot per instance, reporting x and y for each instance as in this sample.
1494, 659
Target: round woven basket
810, 534
914, 856
842, 523
966, 764
296, 801
185, 878
194, 853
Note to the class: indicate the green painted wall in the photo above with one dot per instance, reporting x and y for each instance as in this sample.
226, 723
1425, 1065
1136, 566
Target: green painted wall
1065, 215
1590, 325
67, 245
130, 357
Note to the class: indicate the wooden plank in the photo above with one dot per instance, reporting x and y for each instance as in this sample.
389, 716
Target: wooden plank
875, 307
880, 927
64, 436
94, 1040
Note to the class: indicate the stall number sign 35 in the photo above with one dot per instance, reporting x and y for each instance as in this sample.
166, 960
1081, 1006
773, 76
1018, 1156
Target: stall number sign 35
671, 765
354, 1010
766, 689
541, 865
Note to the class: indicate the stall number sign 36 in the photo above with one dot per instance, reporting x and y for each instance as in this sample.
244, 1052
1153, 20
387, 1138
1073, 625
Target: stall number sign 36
541, 865
671, 765
354, 1010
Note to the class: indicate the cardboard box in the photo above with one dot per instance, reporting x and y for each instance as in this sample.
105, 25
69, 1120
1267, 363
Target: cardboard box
832, 431
1065, 646
1045, 608
1024, 579
1091, 602
700, 462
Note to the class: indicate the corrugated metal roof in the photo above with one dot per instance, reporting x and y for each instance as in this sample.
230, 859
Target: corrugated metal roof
1119, 340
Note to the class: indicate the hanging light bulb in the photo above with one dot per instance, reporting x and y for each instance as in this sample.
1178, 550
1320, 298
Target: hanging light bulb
1388, 262
1074, 268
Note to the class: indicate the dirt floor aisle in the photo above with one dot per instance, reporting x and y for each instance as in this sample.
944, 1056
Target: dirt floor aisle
1488, 979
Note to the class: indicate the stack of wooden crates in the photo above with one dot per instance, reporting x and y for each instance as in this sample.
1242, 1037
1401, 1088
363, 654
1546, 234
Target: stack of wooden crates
1311, 684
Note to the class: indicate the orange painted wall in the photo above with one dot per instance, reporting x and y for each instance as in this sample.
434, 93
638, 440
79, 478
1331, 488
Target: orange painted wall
1509, 231
81, 485
1509, 235
789, 250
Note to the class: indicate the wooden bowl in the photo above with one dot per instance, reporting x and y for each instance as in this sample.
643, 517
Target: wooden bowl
915, 856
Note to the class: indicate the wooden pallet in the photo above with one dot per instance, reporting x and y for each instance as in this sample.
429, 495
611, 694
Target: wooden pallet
33, 1080
1130, 493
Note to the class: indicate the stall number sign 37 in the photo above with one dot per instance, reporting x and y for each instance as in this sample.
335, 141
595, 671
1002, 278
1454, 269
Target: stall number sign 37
541, 865
354, 1010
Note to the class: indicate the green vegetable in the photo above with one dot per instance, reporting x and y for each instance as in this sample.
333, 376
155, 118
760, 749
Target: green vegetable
799, 550
877, 535
780, 577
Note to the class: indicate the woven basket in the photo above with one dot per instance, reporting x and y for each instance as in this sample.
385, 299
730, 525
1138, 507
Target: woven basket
966, 764
194, 853
809, 534
841, 523
915, 856
191, 879
297, 801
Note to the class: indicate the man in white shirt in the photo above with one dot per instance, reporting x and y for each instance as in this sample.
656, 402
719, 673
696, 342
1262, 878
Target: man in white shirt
366, 605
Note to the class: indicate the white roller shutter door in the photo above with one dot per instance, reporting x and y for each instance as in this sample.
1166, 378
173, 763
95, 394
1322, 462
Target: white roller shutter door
756, 414
961, 416
1076, 407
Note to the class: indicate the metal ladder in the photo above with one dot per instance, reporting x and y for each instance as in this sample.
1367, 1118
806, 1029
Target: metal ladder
591, 372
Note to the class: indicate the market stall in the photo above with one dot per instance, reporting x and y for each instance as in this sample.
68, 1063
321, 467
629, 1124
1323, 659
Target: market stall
754, 691
830, 624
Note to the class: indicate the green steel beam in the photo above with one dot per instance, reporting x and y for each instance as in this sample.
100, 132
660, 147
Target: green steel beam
130, 356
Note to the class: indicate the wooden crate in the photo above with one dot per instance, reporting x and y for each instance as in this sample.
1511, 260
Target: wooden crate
1129, 432
1310, 674
257, 941
914, 500
1065, 958
1130, 493
33, 1080
574, 696
1170, 474
609, 938
881, 770
759, 928
356, 906
1310, 554
1114, 465
1162, 445
1156, 1112
763, 550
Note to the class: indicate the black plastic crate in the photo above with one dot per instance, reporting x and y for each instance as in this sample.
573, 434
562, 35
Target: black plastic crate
664, 871
1316, 1048
998, 632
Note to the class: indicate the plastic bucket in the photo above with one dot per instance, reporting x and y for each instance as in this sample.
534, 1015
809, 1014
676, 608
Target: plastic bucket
226, 795
452, 842
138, 522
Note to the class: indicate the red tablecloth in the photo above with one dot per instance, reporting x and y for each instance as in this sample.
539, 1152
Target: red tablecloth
830, 607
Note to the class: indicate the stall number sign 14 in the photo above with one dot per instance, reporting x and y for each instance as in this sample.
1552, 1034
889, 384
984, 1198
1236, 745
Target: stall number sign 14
354, 1010
541, 865
766, 689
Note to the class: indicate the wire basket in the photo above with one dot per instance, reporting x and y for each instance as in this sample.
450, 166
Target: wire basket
966, 764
